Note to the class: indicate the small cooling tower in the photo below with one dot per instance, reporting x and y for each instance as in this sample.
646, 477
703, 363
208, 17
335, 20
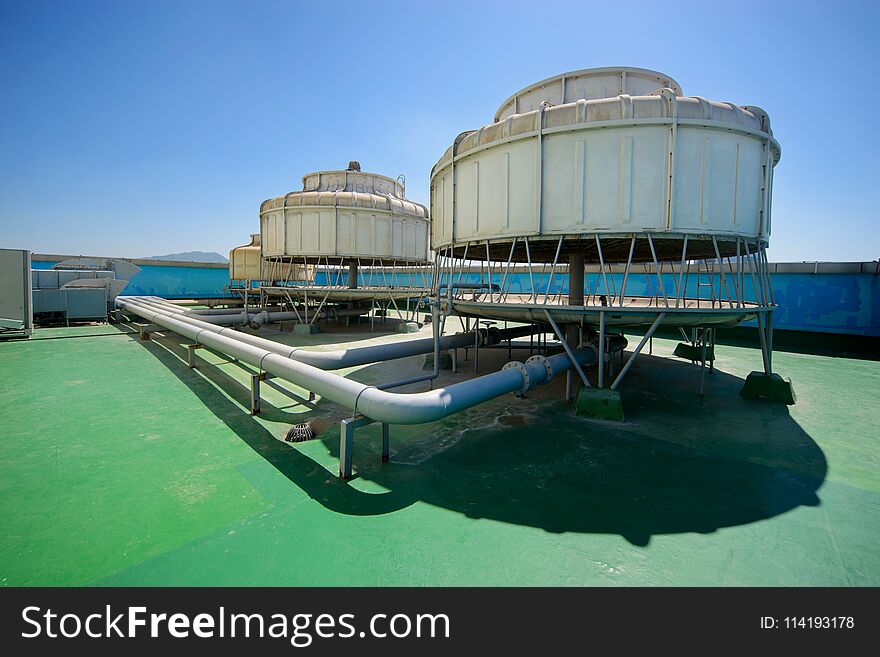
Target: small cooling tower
359, 238
345, 215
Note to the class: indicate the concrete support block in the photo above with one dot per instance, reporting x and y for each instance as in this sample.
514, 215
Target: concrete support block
770, 388
599, 403
305, 329
445, 361
691, 352
407, 327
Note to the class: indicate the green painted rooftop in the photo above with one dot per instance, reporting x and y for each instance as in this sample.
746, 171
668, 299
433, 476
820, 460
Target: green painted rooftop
122, 466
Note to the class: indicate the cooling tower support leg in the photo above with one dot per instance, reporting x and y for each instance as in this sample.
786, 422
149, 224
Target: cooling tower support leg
575, 298
476, 346
702, 361
352, 275
576, 280
767, 385
567, 348
637, 350
602, 349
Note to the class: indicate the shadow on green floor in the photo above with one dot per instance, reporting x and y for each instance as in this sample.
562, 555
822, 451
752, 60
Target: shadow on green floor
679, 464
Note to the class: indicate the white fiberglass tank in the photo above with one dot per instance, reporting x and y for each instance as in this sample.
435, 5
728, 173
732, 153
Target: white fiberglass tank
345, 215
608, 153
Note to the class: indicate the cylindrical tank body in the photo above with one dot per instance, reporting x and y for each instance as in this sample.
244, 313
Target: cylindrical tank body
245, 262
345, 215
642, 162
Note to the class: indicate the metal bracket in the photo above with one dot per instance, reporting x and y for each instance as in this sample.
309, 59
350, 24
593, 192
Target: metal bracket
191, 354
144, 329
255, 391
347, 428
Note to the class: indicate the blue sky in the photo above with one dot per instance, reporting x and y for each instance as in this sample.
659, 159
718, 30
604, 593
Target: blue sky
139, 128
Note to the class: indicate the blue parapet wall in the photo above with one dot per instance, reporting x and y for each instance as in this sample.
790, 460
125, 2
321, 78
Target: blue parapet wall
825, 297
179, 280
821, 297
828, 303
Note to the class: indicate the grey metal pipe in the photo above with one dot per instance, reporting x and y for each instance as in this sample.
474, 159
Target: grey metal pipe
254, 319
378, 405
202, 313
343, 358
435, 372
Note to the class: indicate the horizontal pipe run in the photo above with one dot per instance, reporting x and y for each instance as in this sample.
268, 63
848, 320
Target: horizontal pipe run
344, 358
379, 405
255, 319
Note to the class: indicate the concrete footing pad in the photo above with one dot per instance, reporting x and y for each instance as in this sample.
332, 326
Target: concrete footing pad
770, 388
445, 361
305, 329
407, 327
599, 403
691, 352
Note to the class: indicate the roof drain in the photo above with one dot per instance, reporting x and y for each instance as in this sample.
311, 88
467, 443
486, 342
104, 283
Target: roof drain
299, 433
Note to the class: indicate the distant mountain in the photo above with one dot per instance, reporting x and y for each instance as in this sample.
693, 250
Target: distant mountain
192, 256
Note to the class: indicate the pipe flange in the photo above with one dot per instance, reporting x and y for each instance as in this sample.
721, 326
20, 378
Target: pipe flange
524, 371
542, 360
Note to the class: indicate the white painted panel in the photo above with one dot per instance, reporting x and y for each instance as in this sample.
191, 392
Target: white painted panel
626, 167
344, 241
310, 227
717, 181
466, 200
688, 192
264, 235
446, 209
718, 207
364, 232
383, 236
294, 232
397, 238
603, 180
579, 189
748, 192
280, 229
522, 187
421, 241
492, 195
559, 180
649, 177
409, 239
327, 232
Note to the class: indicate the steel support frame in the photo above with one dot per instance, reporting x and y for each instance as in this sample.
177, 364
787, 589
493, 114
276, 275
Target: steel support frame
647, 337
726, 276
347, 428
561, 336
191, 354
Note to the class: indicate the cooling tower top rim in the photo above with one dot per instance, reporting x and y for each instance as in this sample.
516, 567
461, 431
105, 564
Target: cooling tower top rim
349, 188
662, 79
328, 180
